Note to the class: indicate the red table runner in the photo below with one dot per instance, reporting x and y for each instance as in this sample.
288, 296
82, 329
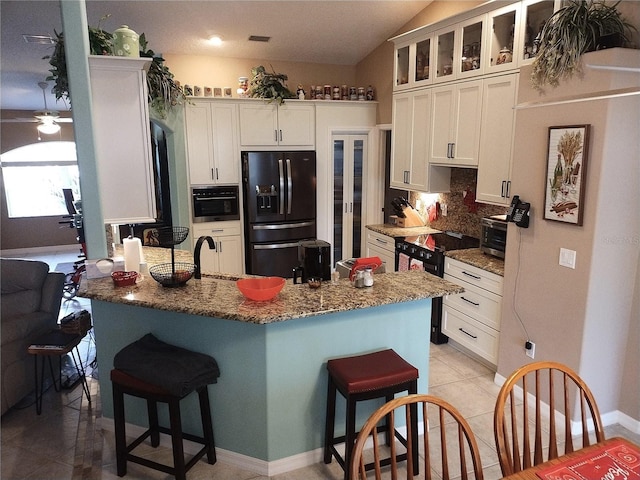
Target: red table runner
618, 460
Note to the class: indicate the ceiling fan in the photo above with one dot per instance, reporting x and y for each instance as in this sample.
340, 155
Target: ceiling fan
47, 120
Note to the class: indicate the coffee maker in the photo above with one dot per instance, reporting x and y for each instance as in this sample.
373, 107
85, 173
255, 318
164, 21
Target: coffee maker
315, 260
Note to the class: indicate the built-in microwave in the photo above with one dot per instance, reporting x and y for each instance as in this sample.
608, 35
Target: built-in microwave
493, 239
215, 203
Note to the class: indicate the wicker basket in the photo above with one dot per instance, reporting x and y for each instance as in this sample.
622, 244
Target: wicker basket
76, 322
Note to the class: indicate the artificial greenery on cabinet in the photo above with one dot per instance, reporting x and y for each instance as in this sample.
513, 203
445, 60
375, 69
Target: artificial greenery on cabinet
580, 26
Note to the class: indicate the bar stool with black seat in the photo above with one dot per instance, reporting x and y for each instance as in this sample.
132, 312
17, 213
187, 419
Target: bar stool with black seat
158, 372
379, 374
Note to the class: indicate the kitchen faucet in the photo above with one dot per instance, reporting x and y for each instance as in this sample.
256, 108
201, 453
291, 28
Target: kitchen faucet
197, 273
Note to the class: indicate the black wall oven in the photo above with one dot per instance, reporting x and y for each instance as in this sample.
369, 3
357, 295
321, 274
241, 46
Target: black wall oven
427, 252
215, 203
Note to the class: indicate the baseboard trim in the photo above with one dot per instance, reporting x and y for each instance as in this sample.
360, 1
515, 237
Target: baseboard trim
42, 250
615, 417
244, 462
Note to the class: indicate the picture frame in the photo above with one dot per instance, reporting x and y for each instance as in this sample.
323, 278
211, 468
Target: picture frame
565, 181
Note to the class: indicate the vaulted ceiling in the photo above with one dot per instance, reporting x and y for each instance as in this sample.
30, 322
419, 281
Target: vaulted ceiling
333, 32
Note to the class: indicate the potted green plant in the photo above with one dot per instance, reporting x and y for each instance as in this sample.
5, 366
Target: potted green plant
573, 30
164, 92
99, 44
268, 85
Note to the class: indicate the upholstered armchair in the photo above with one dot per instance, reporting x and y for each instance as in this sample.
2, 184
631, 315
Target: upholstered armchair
30, 303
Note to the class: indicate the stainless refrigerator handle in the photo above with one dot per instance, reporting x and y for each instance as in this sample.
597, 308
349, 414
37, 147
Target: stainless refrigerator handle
289, 187
281, 171
282, 226
274, 246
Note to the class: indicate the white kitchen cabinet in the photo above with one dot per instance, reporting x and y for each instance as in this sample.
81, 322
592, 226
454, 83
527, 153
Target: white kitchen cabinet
412, 64
212, 142
472, 318
503, 35
456, 111
383, 246
410, 137
349, 157
271, 125
496, 139
123, 139
227, 256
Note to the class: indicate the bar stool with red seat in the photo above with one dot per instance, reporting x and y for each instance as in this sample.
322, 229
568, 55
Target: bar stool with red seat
379, 374
159, 372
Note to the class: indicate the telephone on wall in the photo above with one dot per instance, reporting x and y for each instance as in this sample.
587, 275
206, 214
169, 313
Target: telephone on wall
519, 212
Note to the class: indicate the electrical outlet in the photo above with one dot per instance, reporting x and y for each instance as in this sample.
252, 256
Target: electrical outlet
443, 209
530, 349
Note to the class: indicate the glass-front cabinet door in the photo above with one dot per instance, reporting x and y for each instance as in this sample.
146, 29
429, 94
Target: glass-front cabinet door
423, 61
470, 51
503, 36
535, 13
445, 48
402, 67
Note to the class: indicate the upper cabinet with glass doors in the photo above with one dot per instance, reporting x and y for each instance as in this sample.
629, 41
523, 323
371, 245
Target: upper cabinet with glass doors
412, 65
494, 37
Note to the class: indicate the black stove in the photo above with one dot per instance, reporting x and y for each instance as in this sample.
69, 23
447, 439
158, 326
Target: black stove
427, 252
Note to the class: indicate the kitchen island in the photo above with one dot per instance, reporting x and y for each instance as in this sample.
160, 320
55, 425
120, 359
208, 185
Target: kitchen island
269, 403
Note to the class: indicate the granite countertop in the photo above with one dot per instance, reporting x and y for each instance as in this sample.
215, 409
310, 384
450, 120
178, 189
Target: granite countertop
217, 296
475, 257
395, 231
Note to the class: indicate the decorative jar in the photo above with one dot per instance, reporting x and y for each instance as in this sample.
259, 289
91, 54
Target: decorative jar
126, 42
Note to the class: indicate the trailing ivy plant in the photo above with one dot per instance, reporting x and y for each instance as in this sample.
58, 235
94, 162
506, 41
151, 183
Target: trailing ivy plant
100, 43
570, 32
269, 85
164, 92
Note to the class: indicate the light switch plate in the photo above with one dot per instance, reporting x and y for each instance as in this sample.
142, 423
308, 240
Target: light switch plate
567, 258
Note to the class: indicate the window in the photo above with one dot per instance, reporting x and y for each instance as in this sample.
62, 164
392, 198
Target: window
34, 176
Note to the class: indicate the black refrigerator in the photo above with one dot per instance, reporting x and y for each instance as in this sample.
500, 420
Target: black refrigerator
279, 191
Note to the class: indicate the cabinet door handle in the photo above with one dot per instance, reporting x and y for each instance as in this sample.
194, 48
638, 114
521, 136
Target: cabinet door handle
471, 275
503, 190
345, 207
280, 135
275, 135
508, 194
384, 242
220, 247
217, 176
453, 150
469, 301
467, 333
214, 230
351, 207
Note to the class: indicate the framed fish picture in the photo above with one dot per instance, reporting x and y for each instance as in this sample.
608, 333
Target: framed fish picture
566, 173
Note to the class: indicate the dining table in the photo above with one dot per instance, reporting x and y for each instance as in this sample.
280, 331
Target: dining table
615, 458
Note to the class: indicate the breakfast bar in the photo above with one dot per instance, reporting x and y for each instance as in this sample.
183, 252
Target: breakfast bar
269, 403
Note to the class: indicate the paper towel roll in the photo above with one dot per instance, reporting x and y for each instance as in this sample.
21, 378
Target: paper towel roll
132, 251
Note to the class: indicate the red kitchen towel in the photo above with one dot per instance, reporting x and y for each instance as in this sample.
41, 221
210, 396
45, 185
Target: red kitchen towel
618, 459
403, 262
416, 264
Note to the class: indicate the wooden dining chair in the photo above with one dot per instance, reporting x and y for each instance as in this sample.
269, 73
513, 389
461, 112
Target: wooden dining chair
535, 411
448, 446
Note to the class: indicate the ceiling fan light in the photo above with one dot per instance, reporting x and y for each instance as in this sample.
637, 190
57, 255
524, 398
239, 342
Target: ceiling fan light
48, 128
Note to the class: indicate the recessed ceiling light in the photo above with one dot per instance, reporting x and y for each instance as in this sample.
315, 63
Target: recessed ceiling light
215, 40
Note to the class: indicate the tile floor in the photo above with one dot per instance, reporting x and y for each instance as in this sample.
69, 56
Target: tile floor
67, 442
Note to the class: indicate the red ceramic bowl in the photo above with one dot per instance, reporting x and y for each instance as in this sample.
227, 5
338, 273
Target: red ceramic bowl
124, 279
260, 289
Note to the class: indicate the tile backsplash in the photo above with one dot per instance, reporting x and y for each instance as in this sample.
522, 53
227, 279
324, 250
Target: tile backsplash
463, 213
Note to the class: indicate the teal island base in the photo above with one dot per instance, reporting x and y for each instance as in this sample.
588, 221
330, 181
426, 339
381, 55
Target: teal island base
268, 406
